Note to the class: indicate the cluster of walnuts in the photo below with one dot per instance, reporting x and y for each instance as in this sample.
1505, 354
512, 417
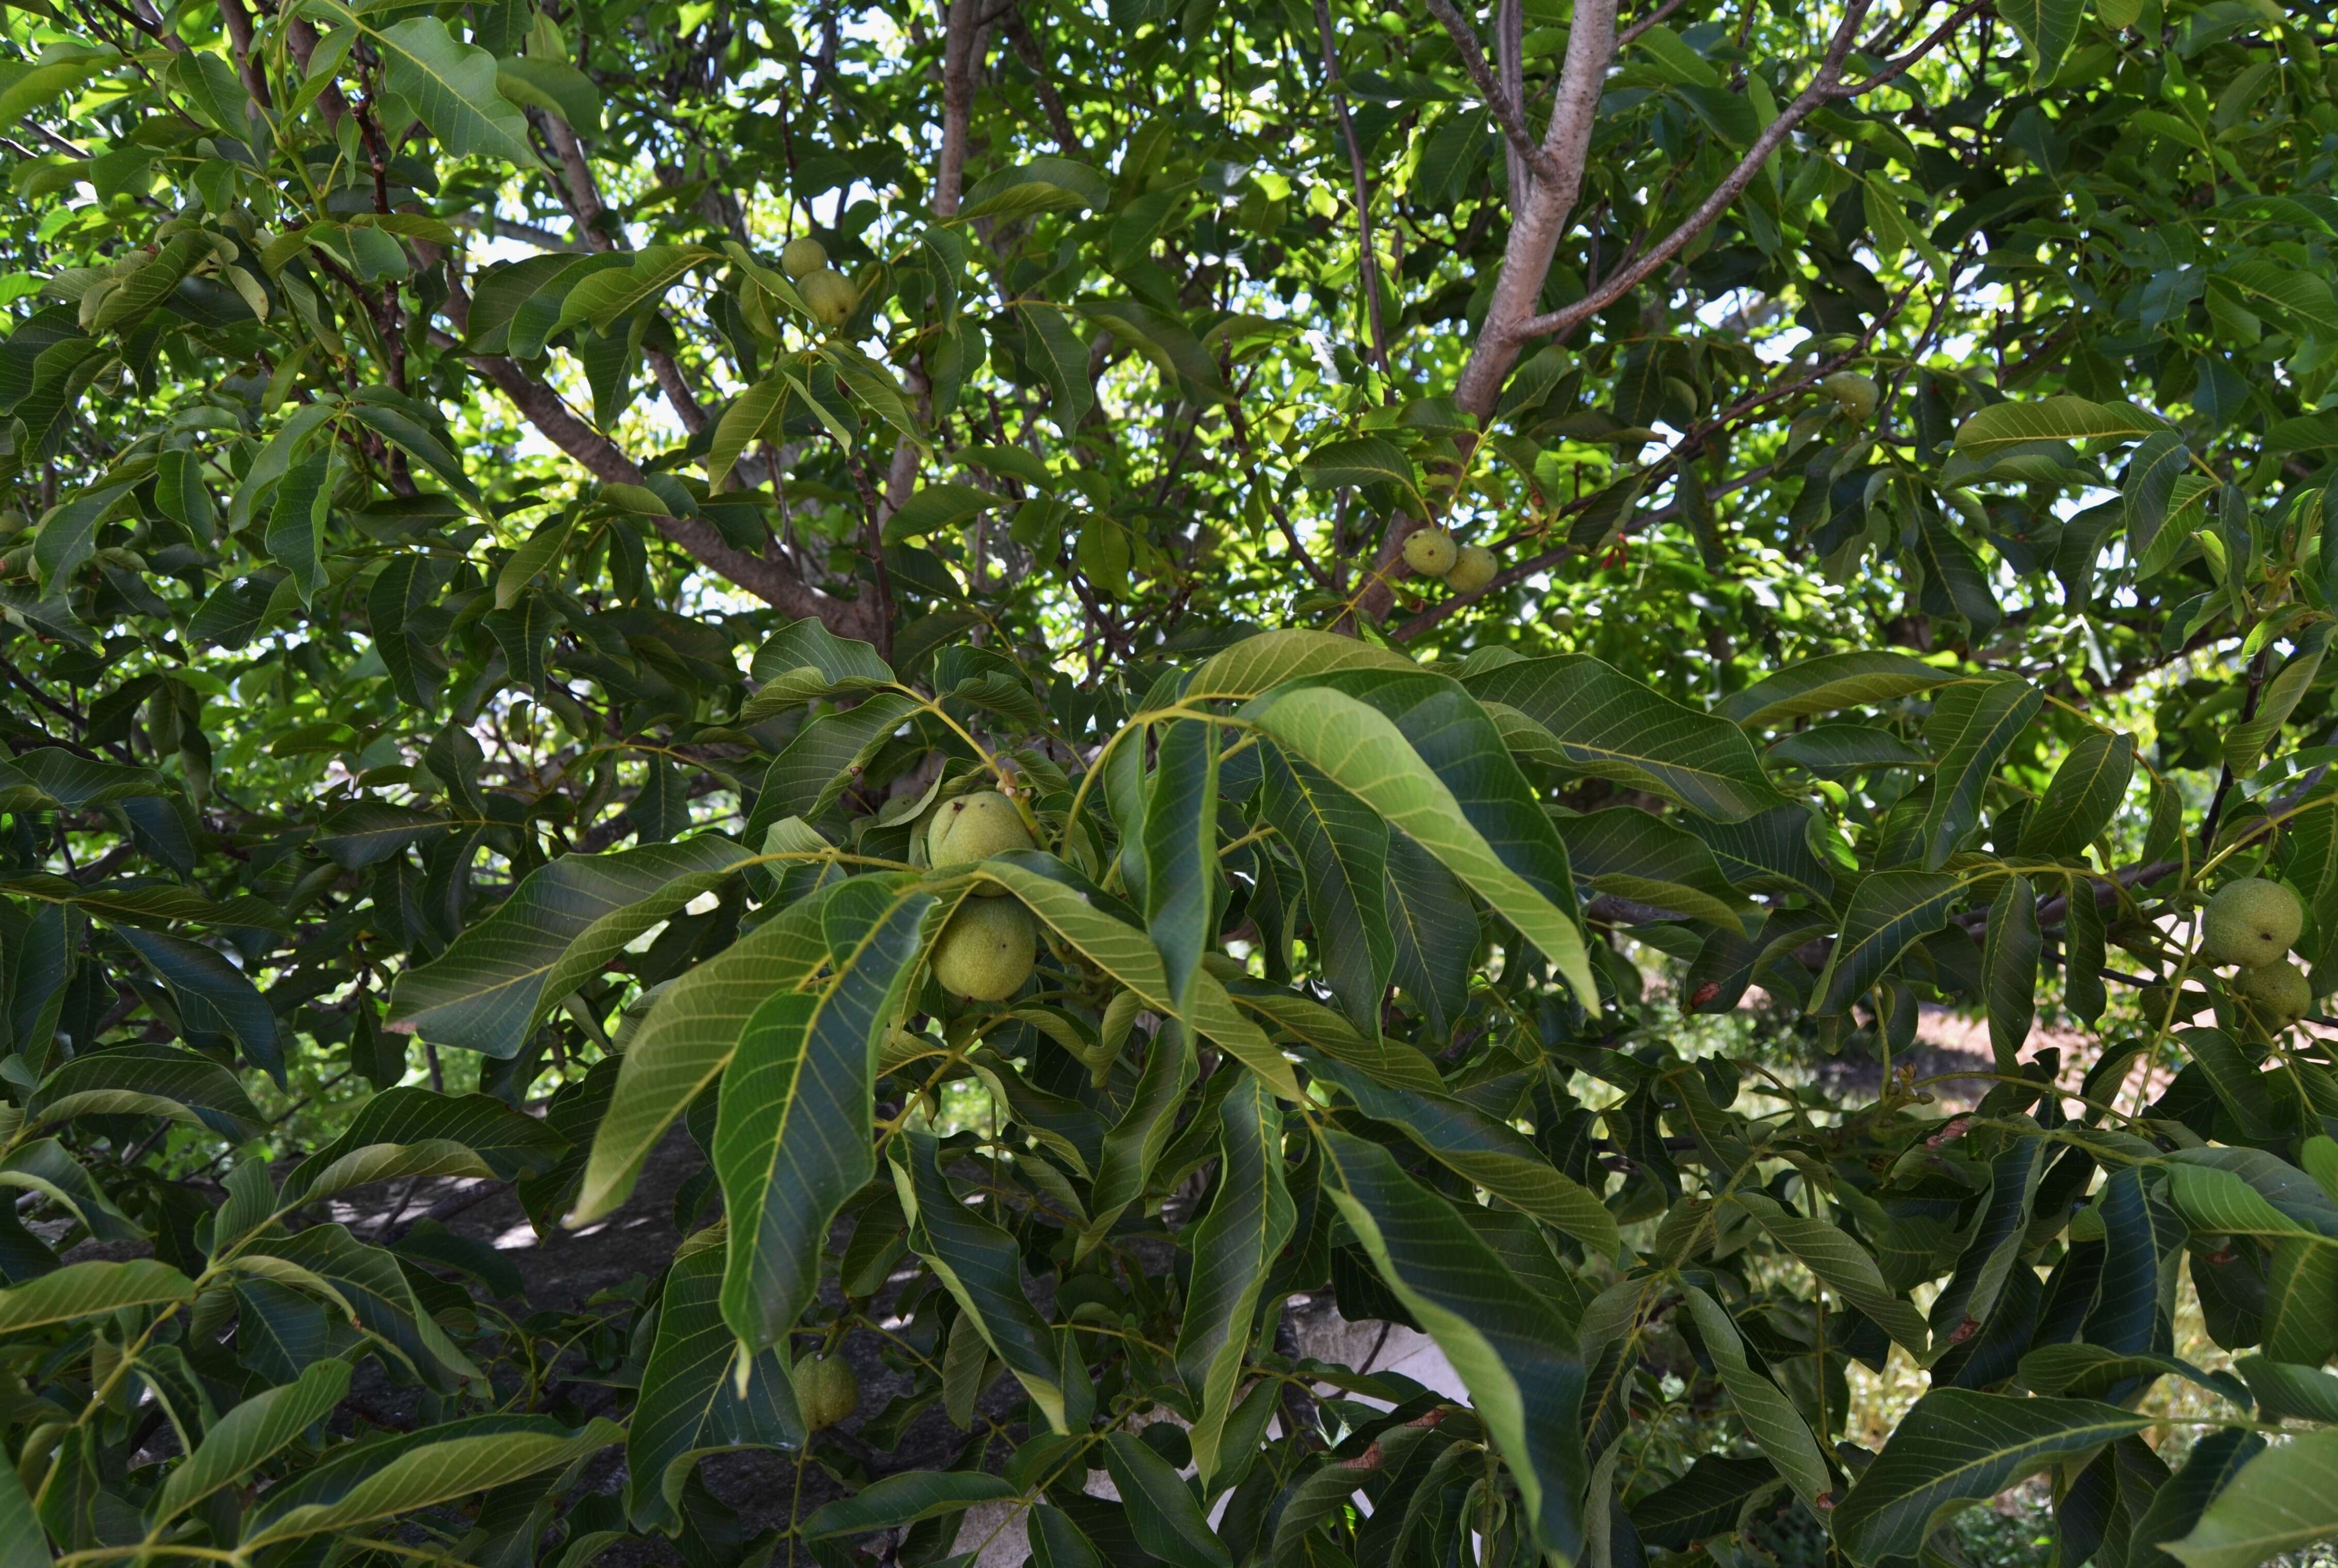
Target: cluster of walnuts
1431, 551
2253, 924
989, 946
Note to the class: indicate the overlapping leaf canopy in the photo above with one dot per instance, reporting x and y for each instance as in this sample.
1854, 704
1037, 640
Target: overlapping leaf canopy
483, 628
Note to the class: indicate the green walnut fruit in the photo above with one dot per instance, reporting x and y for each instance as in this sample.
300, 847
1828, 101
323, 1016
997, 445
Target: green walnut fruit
802, 257
1430, 552
1473, 568
987, 951
2251, 923
1854, 394
975, 828
826, 1390
830, 296
2278, 994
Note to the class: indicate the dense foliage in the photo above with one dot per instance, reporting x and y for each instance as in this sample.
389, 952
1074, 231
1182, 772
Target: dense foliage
863, 602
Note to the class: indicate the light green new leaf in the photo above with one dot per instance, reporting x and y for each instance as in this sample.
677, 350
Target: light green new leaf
793, 1139
1361, 749
686, 1040
2284, 1498
1612, 727
489, 990
452, 86
1512, 1352
86, 1290
1958, 1446
1864, 678
1234, 1247
240, 1440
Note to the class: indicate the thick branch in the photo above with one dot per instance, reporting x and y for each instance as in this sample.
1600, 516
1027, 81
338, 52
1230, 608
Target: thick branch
958, 103
1542, 216
238, 22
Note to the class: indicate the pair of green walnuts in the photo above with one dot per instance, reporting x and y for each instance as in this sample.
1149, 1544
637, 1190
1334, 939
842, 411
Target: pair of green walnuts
990, 946
2253, 924
1431, 553
827, 293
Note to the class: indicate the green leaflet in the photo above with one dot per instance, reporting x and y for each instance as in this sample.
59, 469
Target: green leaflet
1828, 1252
904, 1499
250, 1433
1234, 1246
567, 919
792, 1140
452, 86
2082, 797
980, 1265
2284, 1498
491, 1138
2009, 964
1972, 725
1343, 853
1167, 1516
1181, 854
686, 1040
1889, 911
692, 1403
2010, 424
86, 1290
1488, 1152
1069, 904
1958, 1446
1777, 1427
1360, 748
1613, 727
438, 1473
1628, 852
1511, 1351
1864, 678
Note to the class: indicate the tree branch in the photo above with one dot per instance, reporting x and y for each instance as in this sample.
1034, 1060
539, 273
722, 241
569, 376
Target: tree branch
958, 46
1498, 94
1827, 85
1368, 258
772, 581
